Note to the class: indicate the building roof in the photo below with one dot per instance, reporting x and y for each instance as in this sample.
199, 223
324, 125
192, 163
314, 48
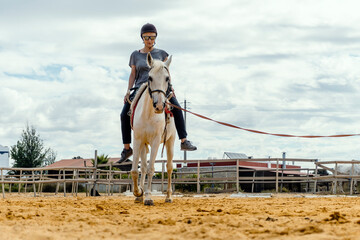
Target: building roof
232, 155
79, 162
4, 149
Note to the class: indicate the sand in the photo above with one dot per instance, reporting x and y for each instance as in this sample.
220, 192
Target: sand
188, 217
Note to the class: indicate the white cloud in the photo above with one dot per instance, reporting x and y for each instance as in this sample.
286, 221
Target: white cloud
286, 67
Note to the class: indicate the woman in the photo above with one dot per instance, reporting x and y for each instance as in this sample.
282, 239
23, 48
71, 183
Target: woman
139, 75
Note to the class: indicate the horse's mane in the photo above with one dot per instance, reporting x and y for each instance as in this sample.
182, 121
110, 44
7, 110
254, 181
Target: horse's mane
157, 65
138, 95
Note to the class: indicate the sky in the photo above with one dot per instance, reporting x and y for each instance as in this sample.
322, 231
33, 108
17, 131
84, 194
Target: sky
281, 66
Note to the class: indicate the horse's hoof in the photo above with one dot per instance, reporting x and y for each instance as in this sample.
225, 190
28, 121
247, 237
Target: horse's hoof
139, 194
168, 200
139, 200
149, 202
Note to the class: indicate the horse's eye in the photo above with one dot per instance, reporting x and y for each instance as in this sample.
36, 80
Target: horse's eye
150, 79
167, 79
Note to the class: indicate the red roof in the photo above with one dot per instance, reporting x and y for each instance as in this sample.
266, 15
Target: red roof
77, 162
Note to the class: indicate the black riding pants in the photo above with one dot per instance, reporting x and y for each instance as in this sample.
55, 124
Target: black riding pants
125, 121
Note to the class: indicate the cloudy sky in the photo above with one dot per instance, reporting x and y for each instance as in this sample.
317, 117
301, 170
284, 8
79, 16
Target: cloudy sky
286, 66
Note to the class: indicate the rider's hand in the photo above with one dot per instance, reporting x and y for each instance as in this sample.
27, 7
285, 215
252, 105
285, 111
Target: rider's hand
127, 96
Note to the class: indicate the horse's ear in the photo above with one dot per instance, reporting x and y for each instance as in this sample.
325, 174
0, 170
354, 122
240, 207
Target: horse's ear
149, 60
168, 61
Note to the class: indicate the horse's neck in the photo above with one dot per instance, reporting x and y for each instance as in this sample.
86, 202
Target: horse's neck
146, 110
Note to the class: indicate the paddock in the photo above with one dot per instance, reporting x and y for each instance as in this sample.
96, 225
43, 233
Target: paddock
213, 216
33, 213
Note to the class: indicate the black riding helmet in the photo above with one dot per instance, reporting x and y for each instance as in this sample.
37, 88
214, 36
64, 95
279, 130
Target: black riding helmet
148, 28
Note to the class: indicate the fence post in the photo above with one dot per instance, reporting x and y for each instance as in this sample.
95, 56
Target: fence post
111, 183
95, 173
33, 178
26, 179
73, 183
316, 174
2, 184
58, 183
307, 181
77, 183
253, 181
277, 176
237, 176
335, 181
64, 175
198, 176
352, 180
40, 183
19, 190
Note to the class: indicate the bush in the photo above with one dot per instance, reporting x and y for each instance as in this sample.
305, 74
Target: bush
14, 188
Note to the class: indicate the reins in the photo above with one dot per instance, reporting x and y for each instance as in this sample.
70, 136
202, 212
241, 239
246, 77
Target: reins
261, 132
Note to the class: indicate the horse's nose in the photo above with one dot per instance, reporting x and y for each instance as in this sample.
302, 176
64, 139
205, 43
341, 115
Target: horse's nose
158, 106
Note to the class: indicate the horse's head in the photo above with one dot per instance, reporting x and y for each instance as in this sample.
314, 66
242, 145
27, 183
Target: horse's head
158, 83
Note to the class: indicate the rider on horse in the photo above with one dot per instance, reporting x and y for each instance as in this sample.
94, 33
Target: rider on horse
139, 75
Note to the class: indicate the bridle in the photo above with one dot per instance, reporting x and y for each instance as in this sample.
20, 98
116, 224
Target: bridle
156, 90
167, 96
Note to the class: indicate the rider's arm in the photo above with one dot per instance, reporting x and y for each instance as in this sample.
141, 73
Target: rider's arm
131, 81
132, 77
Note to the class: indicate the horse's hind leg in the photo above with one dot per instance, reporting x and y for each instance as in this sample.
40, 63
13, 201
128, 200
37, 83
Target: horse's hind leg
169, 167
150, 172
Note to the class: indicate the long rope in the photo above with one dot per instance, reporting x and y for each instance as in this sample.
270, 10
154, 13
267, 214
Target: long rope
261, 132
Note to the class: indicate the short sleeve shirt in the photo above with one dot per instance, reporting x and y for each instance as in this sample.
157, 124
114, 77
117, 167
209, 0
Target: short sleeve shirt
142, 69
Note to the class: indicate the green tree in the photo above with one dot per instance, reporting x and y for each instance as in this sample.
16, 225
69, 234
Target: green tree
102, 159
29, 151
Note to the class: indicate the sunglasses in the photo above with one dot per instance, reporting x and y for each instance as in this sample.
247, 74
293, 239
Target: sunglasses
149, 37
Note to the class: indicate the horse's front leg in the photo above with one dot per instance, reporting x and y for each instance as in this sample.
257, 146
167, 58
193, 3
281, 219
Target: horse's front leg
143, 149
169, 167
151, 170
135, 172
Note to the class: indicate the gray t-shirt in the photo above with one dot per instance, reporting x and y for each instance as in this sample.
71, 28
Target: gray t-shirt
139, 60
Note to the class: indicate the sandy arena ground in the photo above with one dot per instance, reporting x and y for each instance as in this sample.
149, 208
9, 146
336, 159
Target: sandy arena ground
189, 217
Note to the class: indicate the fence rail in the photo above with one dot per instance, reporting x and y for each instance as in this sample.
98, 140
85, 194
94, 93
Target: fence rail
92, 177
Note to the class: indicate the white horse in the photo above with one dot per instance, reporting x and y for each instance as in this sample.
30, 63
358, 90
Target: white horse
151, 128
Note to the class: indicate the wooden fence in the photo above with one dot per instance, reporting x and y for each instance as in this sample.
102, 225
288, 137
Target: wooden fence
93, 177
336, 177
